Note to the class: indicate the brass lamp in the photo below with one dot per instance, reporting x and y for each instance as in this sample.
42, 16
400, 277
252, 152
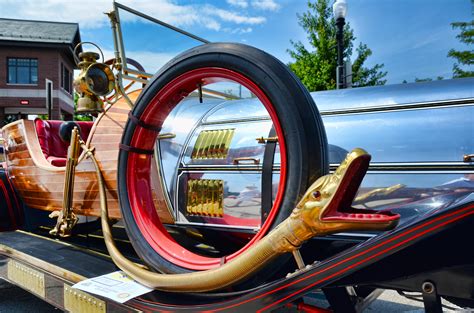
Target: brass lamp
94, 81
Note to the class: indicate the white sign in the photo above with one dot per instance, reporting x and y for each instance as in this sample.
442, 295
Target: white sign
116, 286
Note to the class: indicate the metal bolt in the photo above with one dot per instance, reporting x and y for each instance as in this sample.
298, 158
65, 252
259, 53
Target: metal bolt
428, 287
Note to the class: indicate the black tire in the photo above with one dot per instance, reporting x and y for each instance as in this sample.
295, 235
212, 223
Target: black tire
305, 138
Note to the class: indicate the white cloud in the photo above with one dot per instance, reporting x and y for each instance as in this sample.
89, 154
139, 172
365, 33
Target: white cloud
269, 5
212, 24
239, 3
90, 13
238, 30
244, 30
229, 16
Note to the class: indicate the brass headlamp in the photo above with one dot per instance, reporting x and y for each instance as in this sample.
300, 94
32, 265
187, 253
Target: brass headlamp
94, 81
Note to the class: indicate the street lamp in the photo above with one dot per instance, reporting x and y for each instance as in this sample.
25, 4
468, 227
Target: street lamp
339, 9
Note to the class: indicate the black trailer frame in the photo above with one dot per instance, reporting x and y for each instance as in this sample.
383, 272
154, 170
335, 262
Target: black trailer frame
402, 259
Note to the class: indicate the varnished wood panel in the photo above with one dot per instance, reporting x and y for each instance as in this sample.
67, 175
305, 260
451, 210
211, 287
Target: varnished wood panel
59, 185
41, 185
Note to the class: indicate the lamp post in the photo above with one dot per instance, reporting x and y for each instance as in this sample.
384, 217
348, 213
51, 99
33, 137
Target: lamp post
339, 9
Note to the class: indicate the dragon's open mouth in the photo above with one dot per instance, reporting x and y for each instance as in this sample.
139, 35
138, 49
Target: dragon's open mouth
340, 209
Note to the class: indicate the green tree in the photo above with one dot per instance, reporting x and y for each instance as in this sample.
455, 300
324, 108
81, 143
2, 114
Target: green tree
427, 79
317, 67
465, 57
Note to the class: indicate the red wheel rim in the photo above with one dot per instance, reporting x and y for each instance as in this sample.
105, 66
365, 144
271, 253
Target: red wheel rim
138, 166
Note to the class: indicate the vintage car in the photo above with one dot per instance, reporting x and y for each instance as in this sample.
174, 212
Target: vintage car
217, 192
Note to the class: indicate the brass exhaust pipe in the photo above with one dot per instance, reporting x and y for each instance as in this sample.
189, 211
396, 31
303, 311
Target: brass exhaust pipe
304, 223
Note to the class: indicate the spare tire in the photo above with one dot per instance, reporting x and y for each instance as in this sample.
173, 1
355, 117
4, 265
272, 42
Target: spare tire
297, 122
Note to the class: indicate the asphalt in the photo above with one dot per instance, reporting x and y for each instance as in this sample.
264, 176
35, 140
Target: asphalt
391, 301
13, 299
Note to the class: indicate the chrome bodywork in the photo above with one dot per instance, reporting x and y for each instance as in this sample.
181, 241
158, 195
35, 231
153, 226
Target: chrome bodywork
240, 168
417, 133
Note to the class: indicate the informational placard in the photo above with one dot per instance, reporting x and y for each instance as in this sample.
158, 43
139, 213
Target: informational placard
116, 286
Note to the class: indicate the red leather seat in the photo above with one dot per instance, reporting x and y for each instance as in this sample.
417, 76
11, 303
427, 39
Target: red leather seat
54, 149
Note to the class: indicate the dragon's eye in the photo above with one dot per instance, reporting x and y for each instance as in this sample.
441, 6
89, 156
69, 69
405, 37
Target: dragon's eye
316, 194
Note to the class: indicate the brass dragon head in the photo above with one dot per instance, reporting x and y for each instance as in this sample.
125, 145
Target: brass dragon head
326, 208
326, 205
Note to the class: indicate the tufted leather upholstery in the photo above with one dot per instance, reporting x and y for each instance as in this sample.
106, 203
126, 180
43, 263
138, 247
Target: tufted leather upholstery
54, 149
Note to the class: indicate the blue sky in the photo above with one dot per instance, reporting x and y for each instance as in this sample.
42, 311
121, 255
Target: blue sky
411, 37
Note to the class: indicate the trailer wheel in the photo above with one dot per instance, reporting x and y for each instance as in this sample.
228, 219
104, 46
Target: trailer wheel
298, 125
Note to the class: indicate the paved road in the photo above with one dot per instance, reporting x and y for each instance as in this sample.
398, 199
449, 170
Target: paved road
391, 301
14, 299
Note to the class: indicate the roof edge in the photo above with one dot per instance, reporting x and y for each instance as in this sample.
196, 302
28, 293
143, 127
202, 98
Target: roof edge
39, 21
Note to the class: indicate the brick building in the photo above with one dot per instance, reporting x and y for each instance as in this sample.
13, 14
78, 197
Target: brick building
36, 68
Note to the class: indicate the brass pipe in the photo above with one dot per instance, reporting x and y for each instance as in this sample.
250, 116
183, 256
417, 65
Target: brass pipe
66, 219
304, 223
73, 155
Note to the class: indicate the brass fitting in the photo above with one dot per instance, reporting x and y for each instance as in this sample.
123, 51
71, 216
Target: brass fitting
94, 80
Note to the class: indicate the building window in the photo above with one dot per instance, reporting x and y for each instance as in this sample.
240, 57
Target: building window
66, 78
22, 71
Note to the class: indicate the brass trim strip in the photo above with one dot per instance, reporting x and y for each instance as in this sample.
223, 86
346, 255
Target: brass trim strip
26, 277
205, 197
45, 269
40, 264
212, 144
76, 300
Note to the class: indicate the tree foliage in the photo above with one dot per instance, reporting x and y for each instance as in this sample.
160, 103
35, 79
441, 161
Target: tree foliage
422, 80
466, 57
317, 67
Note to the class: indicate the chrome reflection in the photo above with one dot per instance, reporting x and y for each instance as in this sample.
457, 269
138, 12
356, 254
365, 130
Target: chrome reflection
205, 197
244, 143
205, 186
241, 199
429, 135
415, 193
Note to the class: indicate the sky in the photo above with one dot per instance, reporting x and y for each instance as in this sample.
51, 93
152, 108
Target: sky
410, 37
